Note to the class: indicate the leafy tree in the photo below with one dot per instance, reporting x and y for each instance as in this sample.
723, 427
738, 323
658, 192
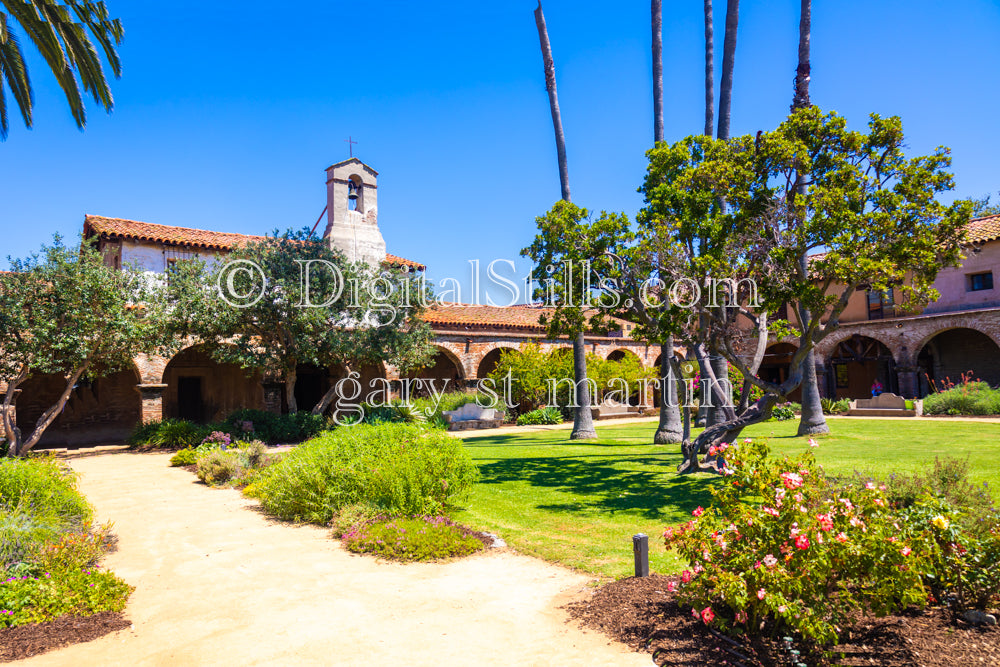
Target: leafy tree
566, 242
873, 212
982, 208
64, 311
288, 300
62, 31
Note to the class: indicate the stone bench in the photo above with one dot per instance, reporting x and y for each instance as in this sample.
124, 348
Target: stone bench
473, 416
883, 405
615, 411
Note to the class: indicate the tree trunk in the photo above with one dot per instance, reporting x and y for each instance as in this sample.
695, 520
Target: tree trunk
800, 98
670, 430
50, 415
717, 413
709, 70
290, 377
10, 430
728, 62
812, 421
726, 432
550, 86
657, 21
583, 419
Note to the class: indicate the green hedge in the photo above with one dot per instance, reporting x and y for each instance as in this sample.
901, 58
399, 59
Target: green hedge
396, 468
972, 398
548, 415
272, 428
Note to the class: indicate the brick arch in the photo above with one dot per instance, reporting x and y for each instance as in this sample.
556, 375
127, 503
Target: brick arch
621, 352
919, 343
497, 346
826, 347
454, 354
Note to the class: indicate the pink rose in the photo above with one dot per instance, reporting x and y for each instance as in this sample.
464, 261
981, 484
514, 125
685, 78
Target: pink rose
761, 594
906, 551
707, 615
841, 537
802, 542
686, 576
741, 617
813, 443
698, 511
791, 480
770, 560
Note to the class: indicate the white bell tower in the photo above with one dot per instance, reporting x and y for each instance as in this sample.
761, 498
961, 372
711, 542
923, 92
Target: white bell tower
352, 212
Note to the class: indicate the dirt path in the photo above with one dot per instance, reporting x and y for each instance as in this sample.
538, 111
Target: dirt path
219, 584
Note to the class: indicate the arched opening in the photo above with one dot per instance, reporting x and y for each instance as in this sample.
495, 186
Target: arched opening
949, 354
103, 410
775, 366
489, 362
311, 384
355, 194
202, 390
444, 369
857, 363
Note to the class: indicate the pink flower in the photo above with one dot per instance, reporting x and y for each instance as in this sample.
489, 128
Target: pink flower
841, 537
770, 560
707, 615
870, 486
747, 440
668, 534
802, 542
741, 617
771, 511
686, 576
713, 450
825, 522
782, 609
671, 586
906, 551
791, 480
761, 594
698, 511
813, 443
698, 569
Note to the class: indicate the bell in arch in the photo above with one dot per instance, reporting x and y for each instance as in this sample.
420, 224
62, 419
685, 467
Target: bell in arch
352, 191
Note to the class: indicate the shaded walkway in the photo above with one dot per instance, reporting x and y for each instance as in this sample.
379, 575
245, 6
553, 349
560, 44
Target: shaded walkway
219, 584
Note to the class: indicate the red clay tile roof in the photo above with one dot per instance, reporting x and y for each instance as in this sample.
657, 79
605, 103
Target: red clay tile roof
186, 236
985, 229
466, 316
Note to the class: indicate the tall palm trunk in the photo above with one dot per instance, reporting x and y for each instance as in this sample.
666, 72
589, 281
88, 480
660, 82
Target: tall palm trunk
583, 420
812, 421
709, 70
728, 62
670, 430
717, 413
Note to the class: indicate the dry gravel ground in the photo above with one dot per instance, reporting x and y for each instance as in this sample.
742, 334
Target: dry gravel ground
218, 583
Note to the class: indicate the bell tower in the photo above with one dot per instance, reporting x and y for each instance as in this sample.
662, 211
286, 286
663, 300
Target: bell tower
352, 212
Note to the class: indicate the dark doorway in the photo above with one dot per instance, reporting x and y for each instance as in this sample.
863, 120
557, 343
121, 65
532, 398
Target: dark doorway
190, 405
311, 383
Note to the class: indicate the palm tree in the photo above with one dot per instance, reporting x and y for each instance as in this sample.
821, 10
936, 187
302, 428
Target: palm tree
728, 61
812, 420
583, 421
64, 32
669, 430
709, 70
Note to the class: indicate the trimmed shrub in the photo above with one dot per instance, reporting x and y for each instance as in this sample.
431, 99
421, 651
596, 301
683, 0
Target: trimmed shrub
168, 434
548, 415
185, 457
397, 468
218, 467
783, 412
412, 539
968, 398
272, 428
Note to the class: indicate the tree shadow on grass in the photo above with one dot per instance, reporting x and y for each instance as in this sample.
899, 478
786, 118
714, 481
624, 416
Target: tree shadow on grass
646, 486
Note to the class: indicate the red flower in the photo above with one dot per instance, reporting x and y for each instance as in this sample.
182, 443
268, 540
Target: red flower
707, 615
698, 511
802, 542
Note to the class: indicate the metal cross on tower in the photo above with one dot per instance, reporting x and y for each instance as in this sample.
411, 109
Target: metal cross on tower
350, 145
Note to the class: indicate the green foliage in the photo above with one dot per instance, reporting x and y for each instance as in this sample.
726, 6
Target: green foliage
323, 321
353, 516
967, 398
427, 409
783, 412
218, 467
398, 468
237, 464
419, 538
836, 407
75, 551
947, 479
272, 428
66, 34
64, 311
548, 415
35, 599
783, 549
168, 434
39, 502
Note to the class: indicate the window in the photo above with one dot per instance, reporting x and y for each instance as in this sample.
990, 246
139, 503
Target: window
880, 304
981, 281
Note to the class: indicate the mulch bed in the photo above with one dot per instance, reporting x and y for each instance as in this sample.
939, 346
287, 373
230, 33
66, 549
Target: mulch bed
643, 615
25, 641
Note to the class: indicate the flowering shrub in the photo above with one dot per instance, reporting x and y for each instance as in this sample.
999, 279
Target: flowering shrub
782, 550
34, 599
412, 538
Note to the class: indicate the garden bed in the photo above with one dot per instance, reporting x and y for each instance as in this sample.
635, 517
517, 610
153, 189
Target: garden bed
25, 641
643, 615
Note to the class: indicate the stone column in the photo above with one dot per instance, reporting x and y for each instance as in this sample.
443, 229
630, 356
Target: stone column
907, 380
152, 401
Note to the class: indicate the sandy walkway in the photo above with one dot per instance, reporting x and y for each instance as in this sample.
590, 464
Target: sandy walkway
219, 584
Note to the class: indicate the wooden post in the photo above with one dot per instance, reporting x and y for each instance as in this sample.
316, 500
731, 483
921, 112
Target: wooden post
640, 548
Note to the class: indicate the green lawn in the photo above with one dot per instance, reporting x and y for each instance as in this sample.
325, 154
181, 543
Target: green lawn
579, 504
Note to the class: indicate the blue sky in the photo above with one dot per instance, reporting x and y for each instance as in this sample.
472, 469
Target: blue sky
228, 112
